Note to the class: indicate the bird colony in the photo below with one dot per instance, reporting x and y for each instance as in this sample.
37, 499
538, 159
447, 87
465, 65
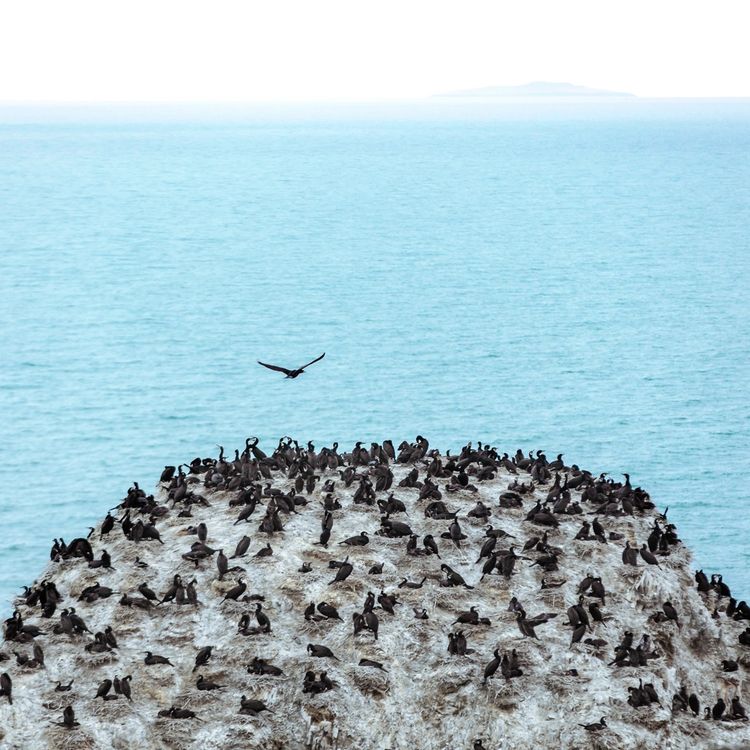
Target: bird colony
385, 598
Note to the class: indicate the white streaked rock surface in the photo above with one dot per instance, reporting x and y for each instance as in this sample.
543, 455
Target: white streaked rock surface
428, 699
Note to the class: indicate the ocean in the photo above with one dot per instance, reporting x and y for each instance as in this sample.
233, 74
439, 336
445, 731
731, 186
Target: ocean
570, 277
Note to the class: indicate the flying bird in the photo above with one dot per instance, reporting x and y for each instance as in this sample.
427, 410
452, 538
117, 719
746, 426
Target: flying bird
292, 373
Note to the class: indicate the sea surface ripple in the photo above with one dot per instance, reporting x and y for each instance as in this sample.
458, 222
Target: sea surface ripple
570, 279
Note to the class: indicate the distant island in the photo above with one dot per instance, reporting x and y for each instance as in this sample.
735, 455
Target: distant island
538, 88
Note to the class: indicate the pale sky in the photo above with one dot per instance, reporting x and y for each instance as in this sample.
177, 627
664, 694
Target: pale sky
290, 50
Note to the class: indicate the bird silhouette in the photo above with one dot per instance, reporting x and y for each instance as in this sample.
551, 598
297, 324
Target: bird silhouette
292, 373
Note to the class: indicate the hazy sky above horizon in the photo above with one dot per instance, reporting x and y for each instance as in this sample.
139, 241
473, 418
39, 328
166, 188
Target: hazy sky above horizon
239, 50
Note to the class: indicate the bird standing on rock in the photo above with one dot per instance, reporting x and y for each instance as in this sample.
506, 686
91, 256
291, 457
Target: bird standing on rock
69, 719
6, 687
222, 564
236, 591
670, 612
328, 611
453, 578
344, 571
202, 657
262, 618
648, 556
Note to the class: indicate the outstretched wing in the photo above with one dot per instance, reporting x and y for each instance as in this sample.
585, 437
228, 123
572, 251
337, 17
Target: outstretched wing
314, 361
541, 619
275, 367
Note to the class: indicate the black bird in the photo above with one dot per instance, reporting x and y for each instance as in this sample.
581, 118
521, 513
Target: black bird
492, 666
596, 613
222, 563
292, 373
315, 649
694, 704
242, 547
469, 618
371, 663
109, 637
147, 593
344, 571
430, 545
578, 633
179, 713
236, 591
104, 687
718, 710
357, 541
738, 710
648, 556
156, 659
6, 687
526, 626
125, 686
596, 726
202, 657
328, 611
630, 555
262, 618
204, 684
69, 718
670, 612
252, 706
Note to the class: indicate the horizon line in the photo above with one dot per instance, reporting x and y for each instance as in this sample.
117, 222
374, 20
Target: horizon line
444, 97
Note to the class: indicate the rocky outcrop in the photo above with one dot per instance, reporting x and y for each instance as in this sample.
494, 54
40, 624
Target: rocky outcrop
553, 673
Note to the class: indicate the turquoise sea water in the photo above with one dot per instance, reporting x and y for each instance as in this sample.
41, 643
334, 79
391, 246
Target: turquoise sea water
573, 278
